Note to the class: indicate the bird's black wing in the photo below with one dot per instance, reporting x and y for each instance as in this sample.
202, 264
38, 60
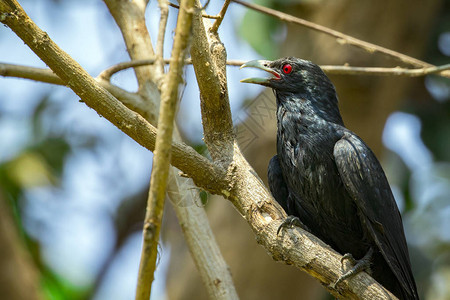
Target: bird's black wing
277, 185
366, 183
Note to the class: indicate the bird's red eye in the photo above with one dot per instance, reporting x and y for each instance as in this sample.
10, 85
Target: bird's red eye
287, 69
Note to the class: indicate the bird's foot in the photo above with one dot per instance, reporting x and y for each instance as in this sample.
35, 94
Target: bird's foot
358, 266
290, 222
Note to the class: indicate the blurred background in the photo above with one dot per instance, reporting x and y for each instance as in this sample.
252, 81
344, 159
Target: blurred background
73, 187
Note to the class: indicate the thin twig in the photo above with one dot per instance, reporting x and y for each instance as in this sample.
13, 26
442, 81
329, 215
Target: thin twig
375, 71
161, 158
347, 70
205, 5
107, 73
164, 8
47, 75
203, 15
339, 70
341, 38
38, 74
221, 15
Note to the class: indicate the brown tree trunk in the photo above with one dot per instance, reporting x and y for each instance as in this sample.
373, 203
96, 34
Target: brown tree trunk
18, 277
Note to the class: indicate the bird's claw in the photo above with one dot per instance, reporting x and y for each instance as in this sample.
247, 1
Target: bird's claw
358, 266
350, 258
290, 222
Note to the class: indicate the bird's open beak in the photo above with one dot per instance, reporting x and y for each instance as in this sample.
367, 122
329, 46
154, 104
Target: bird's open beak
262, 65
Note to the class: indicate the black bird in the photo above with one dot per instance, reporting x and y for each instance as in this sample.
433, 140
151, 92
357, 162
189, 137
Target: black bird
328, 179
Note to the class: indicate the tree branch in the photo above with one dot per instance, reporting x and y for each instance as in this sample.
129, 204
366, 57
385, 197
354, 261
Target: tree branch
220, 16
341, 38
334, 70
207, 257
209, 61
161, 158
37, 74
397, 71
109, 72
164, 8
203, 15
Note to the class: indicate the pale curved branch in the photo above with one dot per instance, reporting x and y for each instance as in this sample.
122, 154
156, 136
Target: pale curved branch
109, 72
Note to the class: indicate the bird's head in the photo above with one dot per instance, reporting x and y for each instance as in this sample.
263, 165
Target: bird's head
294, 78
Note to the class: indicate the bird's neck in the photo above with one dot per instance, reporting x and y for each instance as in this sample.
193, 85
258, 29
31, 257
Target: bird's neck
303, 108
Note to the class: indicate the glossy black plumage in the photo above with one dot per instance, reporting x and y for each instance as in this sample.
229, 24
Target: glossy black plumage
325, 175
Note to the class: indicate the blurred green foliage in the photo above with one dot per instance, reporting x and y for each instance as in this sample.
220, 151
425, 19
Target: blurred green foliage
39, 163
262, 40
